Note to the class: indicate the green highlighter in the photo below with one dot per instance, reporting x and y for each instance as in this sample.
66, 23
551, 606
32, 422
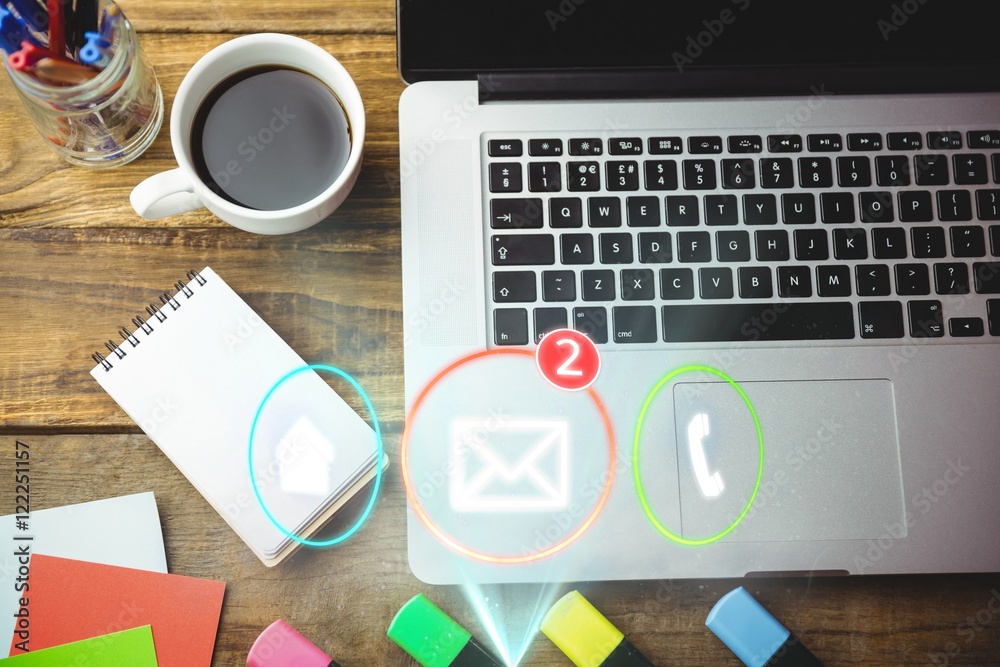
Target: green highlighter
434, 640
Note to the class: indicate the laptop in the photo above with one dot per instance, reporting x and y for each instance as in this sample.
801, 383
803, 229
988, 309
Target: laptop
699, 289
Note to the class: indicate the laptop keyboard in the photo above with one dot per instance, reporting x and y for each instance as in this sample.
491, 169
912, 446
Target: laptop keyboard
650, 240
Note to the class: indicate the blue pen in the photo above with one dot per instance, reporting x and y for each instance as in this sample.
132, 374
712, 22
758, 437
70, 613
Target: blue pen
92, 53
109, 22
12, 32
31, 13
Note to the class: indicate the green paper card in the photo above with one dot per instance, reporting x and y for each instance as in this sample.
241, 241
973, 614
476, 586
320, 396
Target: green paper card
131, 648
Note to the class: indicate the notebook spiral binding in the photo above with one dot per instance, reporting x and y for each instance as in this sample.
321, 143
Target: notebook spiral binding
139, 323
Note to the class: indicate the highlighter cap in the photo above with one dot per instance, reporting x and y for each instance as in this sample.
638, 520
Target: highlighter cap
428, 634
280, 645
746, 628
580, 631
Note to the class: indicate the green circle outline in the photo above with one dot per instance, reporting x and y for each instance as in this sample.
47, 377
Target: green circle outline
635, 453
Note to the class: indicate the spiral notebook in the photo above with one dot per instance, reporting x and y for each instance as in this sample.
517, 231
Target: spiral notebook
193, 374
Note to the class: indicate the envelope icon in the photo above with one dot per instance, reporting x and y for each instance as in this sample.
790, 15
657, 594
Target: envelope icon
509, 466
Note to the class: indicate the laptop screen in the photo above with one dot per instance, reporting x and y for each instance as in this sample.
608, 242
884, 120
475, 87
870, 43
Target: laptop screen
447, 39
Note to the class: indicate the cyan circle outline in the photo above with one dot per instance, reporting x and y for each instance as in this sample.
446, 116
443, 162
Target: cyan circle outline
378, 466
635, 454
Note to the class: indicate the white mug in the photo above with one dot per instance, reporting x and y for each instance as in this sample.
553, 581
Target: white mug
181, 189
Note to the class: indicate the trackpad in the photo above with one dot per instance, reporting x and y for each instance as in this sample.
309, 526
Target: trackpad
831, 468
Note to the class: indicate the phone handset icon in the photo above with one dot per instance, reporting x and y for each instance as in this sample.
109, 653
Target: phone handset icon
710, 483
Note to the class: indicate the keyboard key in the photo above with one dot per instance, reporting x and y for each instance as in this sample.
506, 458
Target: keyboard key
699, 174
583, 176
996, 167
772, 245
987, 277
593, 322
586, 147
757, 321
760, 209
505, 177
854, 172
984, 139
892, 170
811, 245
926, 320
798, 209
873, 280
516, 213
721, 210
703, 145
825, 143
916, 206
576, 249
545, 147
755, 282
655, 248
940, 141
833, 281
623, 175
514, 287
951, 278
616, 248
794, 282
643, 211
510, 326
694, 247
912, 280
965, 327
635, 324
815, 172
993, 310
660, 174
638, 285
869, 141
995, 240
738, 174
905, 141
970, 169
733, 246
988, 207
676, 284
928, 242
505, 147
548, 319
523, 249
876, 206
682, 211
968, 242
746, 143
850, 244
889, 243
598, 285
784, 143
881, 319
777, 173
665, 145
565, 212
954, 205
544, 177
716, 283
837, 207
625, 146
930, 169
558, 286
604, 212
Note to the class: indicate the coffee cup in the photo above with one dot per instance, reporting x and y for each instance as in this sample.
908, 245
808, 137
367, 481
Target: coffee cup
268, 132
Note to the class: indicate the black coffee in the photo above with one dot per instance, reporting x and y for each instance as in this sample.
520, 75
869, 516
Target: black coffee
270, 138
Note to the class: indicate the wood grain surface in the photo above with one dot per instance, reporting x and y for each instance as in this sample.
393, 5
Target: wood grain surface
76, 263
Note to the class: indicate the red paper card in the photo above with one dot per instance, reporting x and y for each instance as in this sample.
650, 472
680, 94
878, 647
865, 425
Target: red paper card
70, 600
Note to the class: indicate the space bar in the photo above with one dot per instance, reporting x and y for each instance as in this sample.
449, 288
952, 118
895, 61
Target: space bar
758, 321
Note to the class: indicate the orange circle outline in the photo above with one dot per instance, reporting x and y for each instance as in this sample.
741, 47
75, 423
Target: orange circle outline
446, 539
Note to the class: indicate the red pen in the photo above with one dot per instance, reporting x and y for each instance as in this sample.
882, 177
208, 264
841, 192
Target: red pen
27, 57
57, 28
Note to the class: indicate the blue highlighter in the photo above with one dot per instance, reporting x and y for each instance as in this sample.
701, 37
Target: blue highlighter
754, 635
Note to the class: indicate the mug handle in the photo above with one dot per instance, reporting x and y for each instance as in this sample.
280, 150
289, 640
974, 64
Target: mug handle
164, 194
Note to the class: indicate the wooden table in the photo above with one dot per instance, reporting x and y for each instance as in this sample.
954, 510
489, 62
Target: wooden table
76, 263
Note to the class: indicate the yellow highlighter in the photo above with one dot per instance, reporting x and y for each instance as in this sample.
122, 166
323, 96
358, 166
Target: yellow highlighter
586, 637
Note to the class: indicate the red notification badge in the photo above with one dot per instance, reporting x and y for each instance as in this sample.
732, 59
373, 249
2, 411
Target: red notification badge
568, 360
